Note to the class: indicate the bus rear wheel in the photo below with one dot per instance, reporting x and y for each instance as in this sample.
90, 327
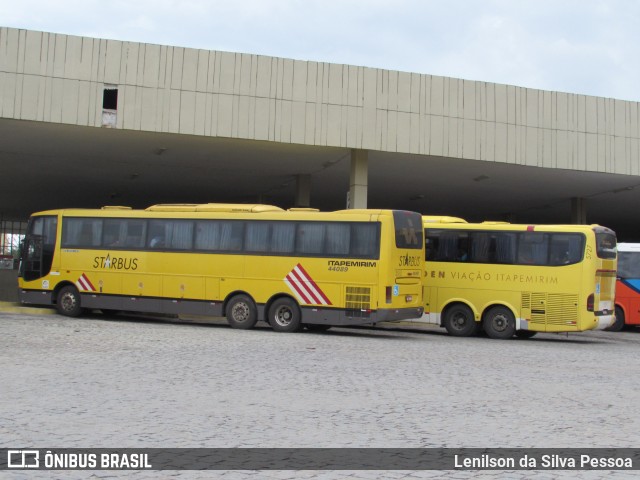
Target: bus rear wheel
242, 312
499, 323
459, 321
68, 302
619, 323
284, 316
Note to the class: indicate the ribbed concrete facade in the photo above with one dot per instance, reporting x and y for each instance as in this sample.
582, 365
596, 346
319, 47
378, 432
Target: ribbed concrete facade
59, 78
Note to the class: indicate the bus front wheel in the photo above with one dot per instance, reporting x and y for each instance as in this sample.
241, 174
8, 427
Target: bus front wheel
68, 302
242, 312
459, 321
499, 323
284, 316
619, 323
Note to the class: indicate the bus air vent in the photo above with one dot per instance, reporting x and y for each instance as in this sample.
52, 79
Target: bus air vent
358, 301
526, 300
562, 309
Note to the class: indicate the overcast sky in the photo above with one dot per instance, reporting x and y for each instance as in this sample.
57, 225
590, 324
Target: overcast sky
579, 46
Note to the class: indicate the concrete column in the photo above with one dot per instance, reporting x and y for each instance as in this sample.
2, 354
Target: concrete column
579, 211
358, 183
303, 191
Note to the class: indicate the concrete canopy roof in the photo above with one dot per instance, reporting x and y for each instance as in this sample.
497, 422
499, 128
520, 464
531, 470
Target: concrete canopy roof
47, 165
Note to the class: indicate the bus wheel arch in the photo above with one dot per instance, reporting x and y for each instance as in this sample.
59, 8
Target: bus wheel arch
499, 321
459, 320
284, 314
68, 300
241, 310
620, 320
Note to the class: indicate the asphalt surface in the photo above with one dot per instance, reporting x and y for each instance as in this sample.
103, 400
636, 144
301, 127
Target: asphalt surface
125, 382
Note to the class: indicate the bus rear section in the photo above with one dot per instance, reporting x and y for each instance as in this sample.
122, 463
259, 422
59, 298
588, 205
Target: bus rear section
518, 279
627, 303
604, 293
405, 264
397, 276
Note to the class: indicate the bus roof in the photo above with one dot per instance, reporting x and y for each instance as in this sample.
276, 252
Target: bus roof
213, 207
455, 223
441, 219
221, 210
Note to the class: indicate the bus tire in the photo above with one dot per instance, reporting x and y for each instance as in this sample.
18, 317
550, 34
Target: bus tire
459, 321
284, 315
68, 302
619, 323
242, 312
499, 323
524, 334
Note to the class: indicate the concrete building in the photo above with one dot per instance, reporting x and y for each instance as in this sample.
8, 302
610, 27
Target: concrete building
87, 122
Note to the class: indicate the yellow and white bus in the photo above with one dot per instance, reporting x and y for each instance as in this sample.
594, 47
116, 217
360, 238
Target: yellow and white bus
517, 279
246, 262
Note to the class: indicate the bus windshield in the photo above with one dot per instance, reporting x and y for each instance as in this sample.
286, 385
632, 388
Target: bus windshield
629, 264
605, 245
408, 229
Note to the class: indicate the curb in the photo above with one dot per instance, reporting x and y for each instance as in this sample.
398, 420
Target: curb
17, 308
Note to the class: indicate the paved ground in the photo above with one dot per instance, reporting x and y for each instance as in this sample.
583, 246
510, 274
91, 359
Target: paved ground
115, 382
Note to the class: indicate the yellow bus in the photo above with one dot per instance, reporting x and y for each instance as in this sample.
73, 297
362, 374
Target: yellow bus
292, 268
517, 280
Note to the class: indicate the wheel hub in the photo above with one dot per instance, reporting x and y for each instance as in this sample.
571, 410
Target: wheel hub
500, 323
283, 316
240, 312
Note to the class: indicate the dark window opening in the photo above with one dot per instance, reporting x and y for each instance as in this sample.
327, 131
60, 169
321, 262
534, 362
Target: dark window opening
309, 239
110, 99
501, 247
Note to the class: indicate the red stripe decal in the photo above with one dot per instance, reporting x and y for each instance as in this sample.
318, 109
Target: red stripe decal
305, 285
86, 279
298, 288
315, 285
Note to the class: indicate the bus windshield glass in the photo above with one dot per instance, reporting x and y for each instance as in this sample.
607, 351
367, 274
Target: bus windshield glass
629, 264
606, 245
408, 227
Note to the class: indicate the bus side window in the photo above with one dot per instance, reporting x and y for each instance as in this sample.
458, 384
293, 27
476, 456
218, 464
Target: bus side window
432, 238
533, 248
231, 234
452, 247
157, 234
135, 233
257, 236
463, 247
338, 239
310, 238
565, 249
480, 244
82, 232
283, 237
365, 240
504, 248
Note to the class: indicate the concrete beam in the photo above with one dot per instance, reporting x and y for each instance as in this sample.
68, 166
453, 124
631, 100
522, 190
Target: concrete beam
578, 211
303, 191
358, 182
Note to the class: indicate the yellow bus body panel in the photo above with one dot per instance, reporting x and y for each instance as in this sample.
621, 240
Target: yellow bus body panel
542, 298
